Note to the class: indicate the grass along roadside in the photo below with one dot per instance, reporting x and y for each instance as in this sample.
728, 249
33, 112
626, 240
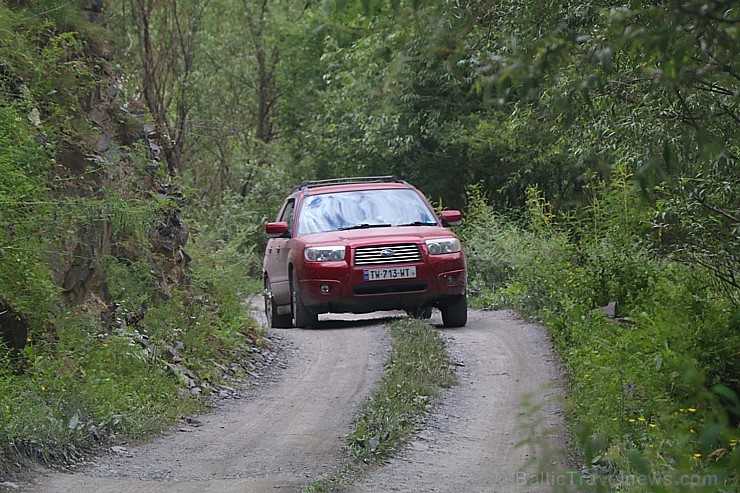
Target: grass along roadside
417, 369
62, 397
652, 395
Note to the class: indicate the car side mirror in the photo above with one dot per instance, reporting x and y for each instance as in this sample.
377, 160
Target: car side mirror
451, 218
277, 230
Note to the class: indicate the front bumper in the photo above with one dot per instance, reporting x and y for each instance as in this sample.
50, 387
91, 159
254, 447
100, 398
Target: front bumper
338, 287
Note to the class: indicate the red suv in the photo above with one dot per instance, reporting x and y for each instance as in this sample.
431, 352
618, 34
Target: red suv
359, 245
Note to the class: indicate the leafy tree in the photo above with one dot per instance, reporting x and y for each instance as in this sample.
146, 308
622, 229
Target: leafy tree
166, 35
571, 90
237, 92
652, 84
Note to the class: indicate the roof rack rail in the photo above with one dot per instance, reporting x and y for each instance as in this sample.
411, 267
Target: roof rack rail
347, 181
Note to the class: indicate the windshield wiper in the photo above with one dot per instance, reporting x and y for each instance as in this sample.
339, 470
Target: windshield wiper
365, 226
419, 223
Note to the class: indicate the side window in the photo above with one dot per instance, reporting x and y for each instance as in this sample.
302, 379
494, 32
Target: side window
287, 215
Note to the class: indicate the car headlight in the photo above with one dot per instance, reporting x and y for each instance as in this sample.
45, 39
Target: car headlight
443, 245
324, 253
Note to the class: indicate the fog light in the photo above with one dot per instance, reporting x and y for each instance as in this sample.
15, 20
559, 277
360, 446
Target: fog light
324, 288
450, 280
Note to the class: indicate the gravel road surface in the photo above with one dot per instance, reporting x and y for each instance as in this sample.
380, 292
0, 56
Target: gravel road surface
289, 432
500, 427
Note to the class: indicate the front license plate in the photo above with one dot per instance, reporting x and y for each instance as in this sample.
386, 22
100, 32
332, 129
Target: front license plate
389, 274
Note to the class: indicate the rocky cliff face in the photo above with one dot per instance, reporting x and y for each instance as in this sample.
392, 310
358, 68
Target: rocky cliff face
110, 153
98, 168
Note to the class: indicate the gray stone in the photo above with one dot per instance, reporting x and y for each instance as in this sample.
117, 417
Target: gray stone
610, 310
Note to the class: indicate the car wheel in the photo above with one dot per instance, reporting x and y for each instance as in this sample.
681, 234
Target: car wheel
303, 317
420, 312
455, 312
274, 319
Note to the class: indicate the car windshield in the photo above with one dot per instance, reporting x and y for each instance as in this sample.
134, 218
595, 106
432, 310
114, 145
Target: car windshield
363, 209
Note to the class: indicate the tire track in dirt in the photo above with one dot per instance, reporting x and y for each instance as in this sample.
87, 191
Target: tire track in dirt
470, 444
281, 438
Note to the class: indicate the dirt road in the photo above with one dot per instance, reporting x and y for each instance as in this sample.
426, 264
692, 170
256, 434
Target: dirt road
287, 435
507, 393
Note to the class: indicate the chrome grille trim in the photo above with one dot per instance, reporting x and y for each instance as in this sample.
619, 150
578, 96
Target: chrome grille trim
402, 254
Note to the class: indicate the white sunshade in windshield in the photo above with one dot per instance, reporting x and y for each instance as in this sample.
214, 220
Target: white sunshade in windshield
363, 209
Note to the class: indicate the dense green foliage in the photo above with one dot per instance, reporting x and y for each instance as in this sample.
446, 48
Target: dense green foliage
659, 383
594, 146
23, 280
512, 95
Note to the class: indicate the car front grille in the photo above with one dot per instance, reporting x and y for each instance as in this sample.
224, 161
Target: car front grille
388, 254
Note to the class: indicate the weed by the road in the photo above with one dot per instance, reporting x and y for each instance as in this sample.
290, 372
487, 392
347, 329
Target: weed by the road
417, 370
415, 373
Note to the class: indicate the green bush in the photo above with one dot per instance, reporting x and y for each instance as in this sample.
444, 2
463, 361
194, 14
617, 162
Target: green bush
25, 283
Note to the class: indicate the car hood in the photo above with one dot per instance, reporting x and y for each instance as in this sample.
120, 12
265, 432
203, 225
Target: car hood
375, 236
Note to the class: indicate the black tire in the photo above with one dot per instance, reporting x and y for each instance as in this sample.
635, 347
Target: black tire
455, 312
423, 313
274, 319
303, 317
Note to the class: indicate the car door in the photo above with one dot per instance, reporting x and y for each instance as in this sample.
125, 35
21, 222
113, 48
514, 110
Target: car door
277, 254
